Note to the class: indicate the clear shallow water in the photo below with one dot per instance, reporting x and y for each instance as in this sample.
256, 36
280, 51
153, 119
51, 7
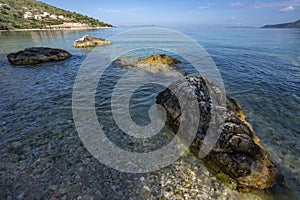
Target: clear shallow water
260, 69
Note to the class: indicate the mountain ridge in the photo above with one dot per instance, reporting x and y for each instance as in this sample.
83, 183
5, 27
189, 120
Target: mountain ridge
295, 24
33, 14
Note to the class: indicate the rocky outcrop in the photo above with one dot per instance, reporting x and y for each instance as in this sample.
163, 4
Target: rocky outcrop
238, 159
37, 55
88, 41
159, 60
154, 63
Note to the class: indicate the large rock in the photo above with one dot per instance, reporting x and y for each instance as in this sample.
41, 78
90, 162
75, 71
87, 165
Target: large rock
238, 159
88, 41
153, 63
37, 55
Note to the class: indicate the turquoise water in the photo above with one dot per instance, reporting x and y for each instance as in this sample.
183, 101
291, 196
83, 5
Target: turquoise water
260, 69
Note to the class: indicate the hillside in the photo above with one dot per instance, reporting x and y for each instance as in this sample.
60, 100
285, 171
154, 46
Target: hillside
29, 14
295, 24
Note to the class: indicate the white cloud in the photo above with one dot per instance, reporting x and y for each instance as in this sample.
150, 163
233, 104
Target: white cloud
259, 4
236, 5
232, 18
208, 6
287, 9
119, 10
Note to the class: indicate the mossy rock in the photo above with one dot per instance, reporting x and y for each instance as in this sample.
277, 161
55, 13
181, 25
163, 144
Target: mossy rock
154, 63
160, 59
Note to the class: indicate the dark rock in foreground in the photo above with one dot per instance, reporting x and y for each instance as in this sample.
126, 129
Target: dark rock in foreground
238, 159
35, 55
88, 41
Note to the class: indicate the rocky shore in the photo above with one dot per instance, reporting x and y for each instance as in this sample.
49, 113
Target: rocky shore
55, 28
57, 165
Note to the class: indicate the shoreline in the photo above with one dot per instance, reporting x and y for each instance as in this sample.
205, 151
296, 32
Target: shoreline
56, 29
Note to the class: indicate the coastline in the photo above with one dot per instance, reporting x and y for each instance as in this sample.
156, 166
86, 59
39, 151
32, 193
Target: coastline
56, 29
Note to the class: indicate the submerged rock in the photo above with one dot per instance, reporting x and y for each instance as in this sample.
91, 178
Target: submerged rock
88, 41
238, 159
159, 60
153, 63
35, 55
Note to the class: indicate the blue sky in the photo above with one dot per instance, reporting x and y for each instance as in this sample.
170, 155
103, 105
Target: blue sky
171, 12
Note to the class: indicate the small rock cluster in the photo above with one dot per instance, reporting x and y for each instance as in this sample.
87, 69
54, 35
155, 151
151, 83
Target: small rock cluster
88, 41
36, 55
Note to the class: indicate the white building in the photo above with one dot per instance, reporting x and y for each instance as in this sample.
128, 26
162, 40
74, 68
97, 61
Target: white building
38, 17
28, 15
61, 17
45, 14
53, 16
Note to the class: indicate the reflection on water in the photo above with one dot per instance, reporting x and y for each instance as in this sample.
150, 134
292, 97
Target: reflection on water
14, 41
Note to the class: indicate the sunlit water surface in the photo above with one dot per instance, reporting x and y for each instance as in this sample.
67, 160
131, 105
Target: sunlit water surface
260, 69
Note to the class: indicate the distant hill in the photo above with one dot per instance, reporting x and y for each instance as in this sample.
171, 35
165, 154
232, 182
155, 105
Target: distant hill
295, 24
29, 14
240, 27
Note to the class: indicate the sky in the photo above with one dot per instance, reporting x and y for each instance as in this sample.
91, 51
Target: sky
180, 12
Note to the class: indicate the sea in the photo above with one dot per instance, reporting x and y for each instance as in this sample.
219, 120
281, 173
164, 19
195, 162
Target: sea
260, 69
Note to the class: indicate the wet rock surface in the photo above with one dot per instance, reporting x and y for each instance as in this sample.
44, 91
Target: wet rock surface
238, 159
154, 63
160, 59
89, 41
36, 55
